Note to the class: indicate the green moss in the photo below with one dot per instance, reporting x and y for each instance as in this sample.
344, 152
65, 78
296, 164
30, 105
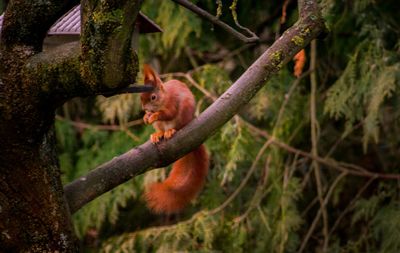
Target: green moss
276, 57
108, 21
298, 41
305, 31
64, 75
133, 66
98, 29
276, 60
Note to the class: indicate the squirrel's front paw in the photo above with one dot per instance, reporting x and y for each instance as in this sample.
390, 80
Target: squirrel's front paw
146, 117
156, 137
153, 117
169, 133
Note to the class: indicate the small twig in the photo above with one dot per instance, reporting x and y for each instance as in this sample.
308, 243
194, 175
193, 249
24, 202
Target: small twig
242, 62
309, 206
213, 19
314, 142
191, 58
258, 195
287, 97
236, 51
221, 56
83, 125
130, 134
296, 131
317, 217
350, 206
342, 137
263, 218
331, 163
193, 83
283, 208
353, 166
244, 181
306, 178
294, 163
235, 19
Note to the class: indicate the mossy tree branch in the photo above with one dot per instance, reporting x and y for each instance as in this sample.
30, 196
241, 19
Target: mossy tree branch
147, 156
57, 73
102, 62
107, 58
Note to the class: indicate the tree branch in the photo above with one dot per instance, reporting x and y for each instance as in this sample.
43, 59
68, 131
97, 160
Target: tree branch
83, 125
102, 63
107, 58
146, 156
56, 73
215, 20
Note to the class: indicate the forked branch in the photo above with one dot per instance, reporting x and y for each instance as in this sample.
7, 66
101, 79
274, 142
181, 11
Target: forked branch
215, 20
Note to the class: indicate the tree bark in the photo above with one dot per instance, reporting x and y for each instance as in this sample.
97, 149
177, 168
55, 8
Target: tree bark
34, 216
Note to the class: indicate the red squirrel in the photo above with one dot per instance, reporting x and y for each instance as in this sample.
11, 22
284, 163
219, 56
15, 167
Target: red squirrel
169, 107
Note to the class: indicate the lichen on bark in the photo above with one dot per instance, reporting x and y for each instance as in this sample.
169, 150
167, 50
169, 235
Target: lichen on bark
108, 60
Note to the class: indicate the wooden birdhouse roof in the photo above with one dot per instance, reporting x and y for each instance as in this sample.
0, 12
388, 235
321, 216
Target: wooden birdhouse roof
70, 23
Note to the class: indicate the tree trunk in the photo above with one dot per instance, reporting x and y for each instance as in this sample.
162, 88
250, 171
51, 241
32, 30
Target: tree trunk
34, 215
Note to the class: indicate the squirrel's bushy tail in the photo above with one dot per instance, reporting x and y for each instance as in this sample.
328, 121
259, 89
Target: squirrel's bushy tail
185, 181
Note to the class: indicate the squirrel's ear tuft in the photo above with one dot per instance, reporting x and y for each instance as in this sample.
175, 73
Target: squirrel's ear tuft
150, 76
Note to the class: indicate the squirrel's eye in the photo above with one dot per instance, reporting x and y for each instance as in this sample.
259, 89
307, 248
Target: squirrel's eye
153, 97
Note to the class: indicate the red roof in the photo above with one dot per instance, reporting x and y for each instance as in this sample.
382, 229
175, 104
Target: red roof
70, 23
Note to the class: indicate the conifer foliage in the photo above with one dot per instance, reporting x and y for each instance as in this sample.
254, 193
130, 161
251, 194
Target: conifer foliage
262, 193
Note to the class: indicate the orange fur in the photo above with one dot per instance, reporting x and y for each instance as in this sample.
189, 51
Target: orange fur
185, 181
169, 107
